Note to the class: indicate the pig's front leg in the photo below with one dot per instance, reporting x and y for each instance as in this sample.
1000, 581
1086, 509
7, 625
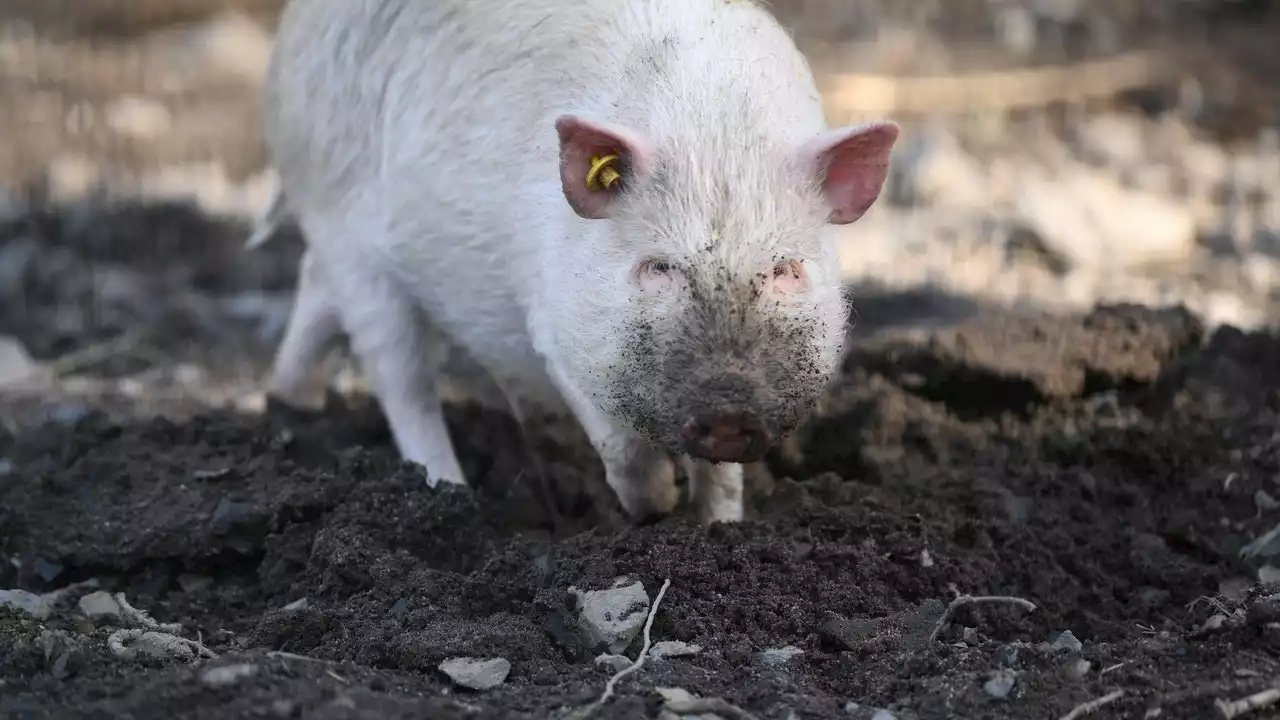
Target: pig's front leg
641, 475
715, 491
402, 356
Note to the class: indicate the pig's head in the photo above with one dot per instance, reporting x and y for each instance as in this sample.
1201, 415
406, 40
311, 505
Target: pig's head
707, 311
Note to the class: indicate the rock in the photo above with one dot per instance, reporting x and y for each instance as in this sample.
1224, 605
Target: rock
475, 673
228, 674
1000, 684
30, 603
673, 648
777, 657
301, 603
16, 365
157, 645
617, 663
101, 604
1066, 642
1077, 668
613, 616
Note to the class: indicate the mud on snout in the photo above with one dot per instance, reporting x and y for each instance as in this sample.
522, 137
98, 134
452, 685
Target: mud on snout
719, 383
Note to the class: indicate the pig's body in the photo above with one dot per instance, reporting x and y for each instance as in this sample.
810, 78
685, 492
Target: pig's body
433, 152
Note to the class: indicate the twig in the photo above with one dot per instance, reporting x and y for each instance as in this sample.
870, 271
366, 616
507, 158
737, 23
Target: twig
141, 618
1236, 708
964, 600
294, 656
609, 686
708, 706
116, 643
98, 352
1093, 705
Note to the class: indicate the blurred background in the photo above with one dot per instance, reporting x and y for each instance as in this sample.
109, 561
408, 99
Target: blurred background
1056, 153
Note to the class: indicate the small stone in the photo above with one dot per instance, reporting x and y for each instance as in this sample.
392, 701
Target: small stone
1264, 501
926, 560
1077, 668
882, 714
970, 637
777, 657
100, 604
163, 646
1066, 641
1000, 684
613, 616
16, 364
48, 570
1235, 588
475, 673
30, 603
617, 663
228, 674
673, 648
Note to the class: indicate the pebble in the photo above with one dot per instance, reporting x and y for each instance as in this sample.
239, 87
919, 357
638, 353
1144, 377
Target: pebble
1077, 668
476, 673
16, 365
673, 648
613, 616
1000, 684
228, 674
777, 657
1066, 641
100, 604
30, 603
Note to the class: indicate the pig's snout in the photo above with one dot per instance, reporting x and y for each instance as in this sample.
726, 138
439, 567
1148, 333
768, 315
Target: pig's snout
736, 436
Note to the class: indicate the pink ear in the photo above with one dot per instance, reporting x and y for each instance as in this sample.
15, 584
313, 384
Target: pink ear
851, 165
580, 141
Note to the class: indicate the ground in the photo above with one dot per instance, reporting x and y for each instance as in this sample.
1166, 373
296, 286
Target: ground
1107, 468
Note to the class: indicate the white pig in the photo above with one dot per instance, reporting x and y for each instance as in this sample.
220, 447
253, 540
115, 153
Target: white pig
620, 207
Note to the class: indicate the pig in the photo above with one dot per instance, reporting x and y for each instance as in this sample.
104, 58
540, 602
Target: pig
621, 208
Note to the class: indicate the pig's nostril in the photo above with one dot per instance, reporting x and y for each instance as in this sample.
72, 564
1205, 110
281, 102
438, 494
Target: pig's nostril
729, 436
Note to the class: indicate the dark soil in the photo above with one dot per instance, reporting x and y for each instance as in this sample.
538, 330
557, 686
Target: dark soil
1108, 469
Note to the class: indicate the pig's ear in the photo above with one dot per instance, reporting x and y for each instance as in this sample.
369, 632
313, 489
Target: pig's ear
597, 162
850, 165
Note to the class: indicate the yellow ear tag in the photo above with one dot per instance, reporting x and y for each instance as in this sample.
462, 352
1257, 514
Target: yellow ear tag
602, 176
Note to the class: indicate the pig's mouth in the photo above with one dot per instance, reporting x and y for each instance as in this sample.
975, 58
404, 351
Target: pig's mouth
730, 436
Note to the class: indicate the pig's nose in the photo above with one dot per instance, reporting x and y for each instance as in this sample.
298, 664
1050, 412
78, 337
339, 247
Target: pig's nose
728, 436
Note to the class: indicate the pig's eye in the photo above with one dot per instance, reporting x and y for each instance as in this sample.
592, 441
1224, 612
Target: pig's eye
656, 274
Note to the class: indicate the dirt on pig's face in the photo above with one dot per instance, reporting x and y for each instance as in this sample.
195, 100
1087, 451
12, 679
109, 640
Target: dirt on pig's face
724, 376
735, 324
